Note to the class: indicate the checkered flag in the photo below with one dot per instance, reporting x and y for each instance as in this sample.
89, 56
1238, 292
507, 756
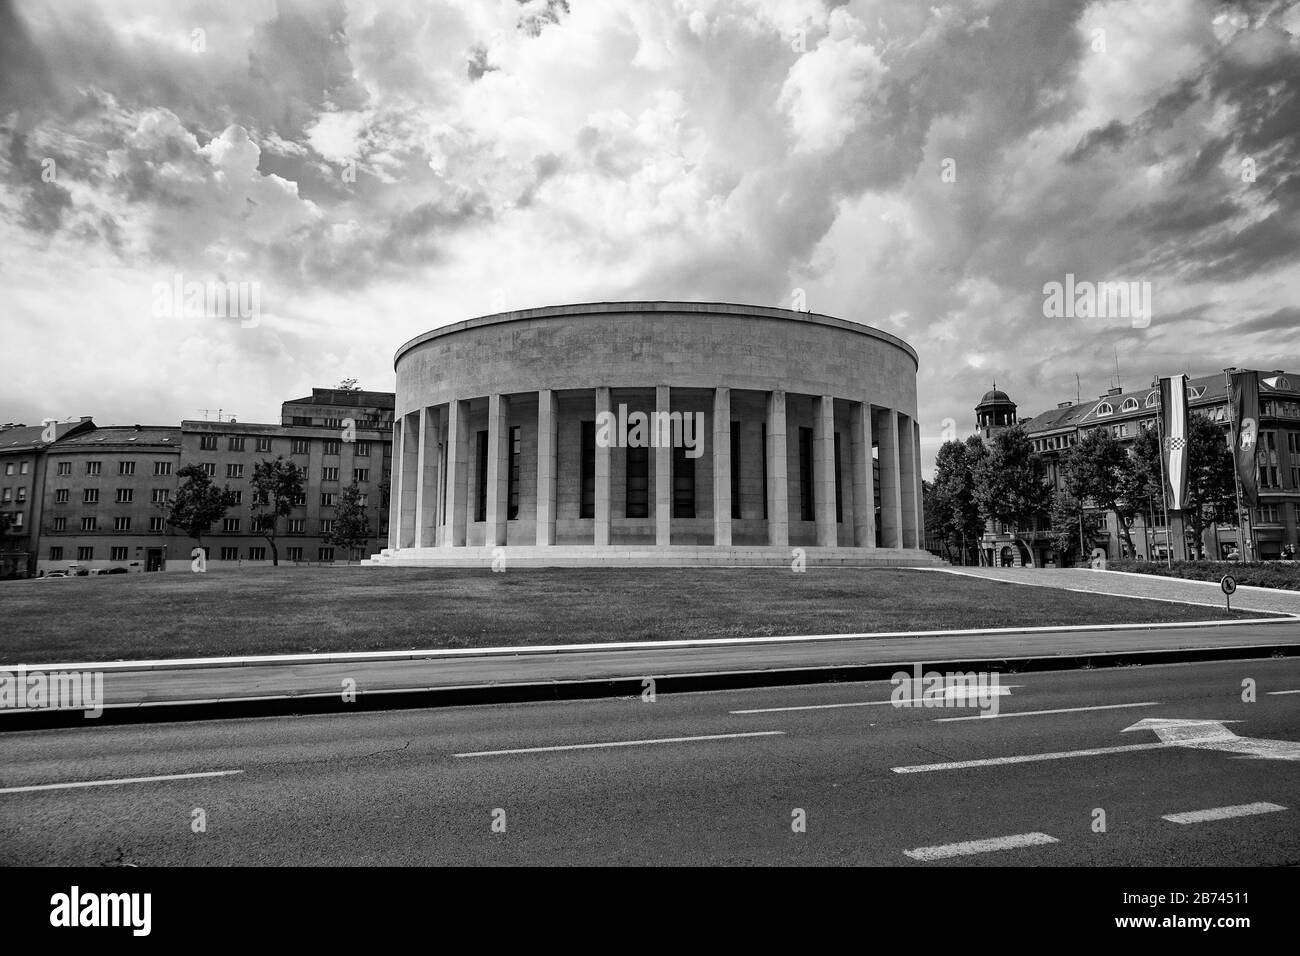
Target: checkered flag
1175, 444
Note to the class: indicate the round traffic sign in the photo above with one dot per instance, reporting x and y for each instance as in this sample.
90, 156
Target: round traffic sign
1229, 584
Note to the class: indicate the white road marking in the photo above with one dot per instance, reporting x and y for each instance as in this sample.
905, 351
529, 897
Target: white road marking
1213, 735
972, 847
1222, 813
1273, 693
949, 694
1033, 713
109, 783
1030, 758
619, 743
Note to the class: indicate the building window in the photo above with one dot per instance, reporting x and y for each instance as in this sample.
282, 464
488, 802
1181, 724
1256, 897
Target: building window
302, 421
234, 471
587, 502
1130, 405
158, 524
210, 469
331, 447
638, 482
512, 477
362, 449
807, 504
125, 496
1269, 476
90, 496
18, 520
302, 446
85, 554
126, 468
7, 495
235, 443
360, 475
481, 459
161, 495
264, 445
839, 485
333, 423
327, 526
683, 484
60, 524
56, 554
297, 525
229, 524
117, 554
325, 554
65, 468
327, 499
89, 524
299, 500
257, 554
9, 468
1105, 408
229, 554
207, 443
23, 467
21, 496
735, 469
295, 554
121, 524
1267, 514
92, 467
1153, 399
162, 468
329, 473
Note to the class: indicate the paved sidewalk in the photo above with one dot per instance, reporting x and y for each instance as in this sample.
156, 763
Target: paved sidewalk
1141, 586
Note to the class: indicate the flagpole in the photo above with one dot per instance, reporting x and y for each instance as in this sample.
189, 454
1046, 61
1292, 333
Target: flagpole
1164, 494
1236, 479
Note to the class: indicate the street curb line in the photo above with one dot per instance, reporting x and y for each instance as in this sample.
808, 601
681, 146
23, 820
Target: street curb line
353, 657
231, 708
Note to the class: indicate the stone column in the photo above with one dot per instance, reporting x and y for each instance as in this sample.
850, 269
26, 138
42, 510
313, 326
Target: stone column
395, 487
722, 467
547, 420
907, 483
457, 474
663, 470
426, 488
916, 484
824, 471
603, 473
498, 469
410, 471
778, 509
864, 493
891, 505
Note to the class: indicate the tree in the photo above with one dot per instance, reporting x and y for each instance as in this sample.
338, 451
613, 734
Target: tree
351, 525
1069, 521
349, 385
1211, 493
1009, 485
1097, 468
275, 486
199, 503
951, 504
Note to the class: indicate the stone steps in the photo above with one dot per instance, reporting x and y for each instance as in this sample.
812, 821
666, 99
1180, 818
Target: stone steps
633, 556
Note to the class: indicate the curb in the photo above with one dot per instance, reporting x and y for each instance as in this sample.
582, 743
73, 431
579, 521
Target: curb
467, 695
355, 657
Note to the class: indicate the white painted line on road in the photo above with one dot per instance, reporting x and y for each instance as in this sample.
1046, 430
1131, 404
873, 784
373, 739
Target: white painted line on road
1003, 690
1222, 813
926, 853
109, 783
619, 743
1031, 758
1272, 693
1034, 713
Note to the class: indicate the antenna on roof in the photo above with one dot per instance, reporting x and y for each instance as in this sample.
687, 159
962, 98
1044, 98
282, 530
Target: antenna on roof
1118, 383
1078, 392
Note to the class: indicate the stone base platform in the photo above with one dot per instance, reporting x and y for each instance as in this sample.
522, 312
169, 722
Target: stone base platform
646, 556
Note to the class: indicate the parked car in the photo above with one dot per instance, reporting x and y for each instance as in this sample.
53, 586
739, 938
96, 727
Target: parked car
54, 574
114, 571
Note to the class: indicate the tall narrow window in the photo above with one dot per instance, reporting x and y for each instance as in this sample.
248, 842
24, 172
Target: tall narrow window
481, 455
763, 449
638, 482
735, 469
806, 503
683, 484
512, 482
839, 487
587, 503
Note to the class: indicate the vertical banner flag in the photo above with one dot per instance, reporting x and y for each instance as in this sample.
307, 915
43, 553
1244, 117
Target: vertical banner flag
1245, 433
1173, 406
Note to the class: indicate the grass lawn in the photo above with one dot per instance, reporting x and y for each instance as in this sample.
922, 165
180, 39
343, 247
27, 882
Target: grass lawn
280, 610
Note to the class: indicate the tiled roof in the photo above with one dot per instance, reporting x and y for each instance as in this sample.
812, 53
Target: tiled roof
126, 434
28, 437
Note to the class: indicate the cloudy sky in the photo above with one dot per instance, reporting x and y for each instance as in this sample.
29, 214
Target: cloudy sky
381, 168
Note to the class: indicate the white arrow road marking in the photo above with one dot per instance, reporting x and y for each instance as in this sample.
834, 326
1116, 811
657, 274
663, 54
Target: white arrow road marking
1222, 813
972, 847
1213, 735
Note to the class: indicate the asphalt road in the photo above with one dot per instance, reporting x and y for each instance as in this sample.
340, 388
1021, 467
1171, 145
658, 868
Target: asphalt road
421, 787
